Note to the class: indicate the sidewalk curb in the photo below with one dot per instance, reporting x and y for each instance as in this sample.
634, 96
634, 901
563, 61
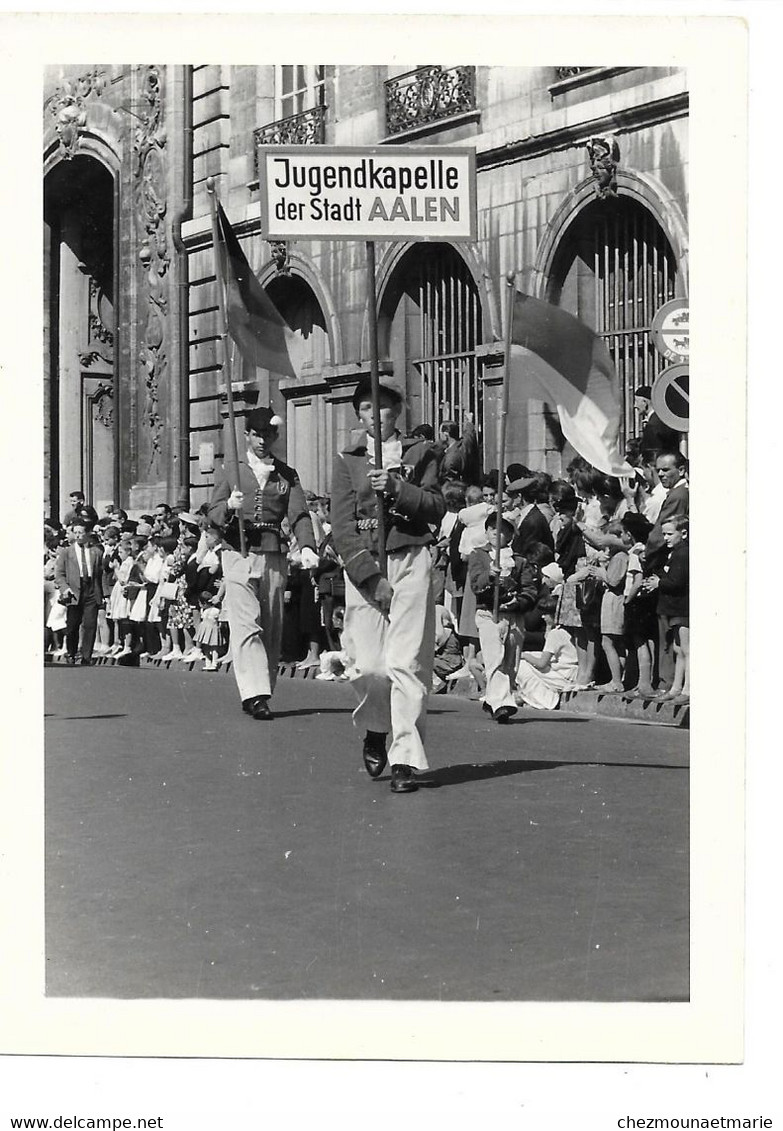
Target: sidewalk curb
596, 704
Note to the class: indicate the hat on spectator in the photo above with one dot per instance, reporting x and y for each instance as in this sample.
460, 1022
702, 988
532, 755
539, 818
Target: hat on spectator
520, 484
259, 419
644, 391
363, 391
188, 519
143, 530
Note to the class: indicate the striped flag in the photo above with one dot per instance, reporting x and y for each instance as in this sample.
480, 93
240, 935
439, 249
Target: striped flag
261, 333
572, 366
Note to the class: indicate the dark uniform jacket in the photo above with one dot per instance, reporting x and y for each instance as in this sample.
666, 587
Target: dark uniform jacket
408, 518
264, 509
519, 589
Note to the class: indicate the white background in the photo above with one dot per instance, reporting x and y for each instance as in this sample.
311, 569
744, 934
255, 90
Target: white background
236, 1093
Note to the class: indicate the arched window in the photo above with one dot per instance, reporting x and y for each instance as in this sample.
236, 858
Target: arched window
429, 327
613, 269
299, 306
308, 433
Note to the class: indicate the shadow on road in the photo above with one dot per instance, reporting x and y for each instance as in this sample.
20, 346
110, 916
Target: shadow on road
313, 711
68, 718
468, 772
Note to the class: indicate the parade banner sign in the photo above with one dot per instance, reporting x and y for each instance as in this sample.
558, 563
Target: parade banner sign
359, 193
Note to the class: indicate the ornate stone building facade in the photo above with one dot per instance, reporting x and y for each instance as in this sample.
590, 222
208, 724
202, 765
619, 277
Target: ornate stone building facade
582, 190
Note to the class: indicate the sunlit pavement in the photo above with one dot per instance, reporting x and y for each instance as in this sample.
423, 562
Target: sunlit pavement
194, 852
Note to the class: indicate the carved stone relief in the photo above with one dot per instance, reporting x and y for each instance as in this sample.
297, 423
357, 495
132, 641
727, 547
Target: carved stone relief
67, 107
604, 154
149, 148
103, 405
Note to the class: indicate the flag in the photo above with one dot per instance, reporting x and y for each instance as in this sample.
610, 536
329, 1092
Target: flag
574, 371
261, 333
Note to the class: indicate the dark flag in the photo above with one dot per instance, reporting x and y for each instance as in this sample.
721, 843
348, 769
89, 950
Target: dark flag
261, 333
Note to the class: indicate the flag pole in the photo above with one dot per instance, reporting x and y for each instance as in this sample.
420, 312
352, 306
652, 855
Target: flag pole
502, 434
227, 366
376, 397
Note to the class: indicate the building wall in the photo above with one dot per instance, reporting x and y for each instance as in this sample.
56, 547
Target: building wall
529, 133
162, 131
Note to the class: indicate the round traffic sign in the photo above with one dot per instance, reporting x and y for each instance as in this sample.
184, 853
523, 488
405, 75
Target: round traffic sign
670, 330
671, 397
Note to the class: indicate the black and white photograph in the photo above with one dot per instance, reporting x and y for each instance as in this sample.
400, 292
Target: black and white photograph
365, 453
518, 554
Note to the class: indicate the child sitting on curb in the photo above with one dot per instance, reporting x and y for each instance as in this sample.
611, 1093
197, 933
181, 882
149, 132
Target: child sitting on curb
543, 676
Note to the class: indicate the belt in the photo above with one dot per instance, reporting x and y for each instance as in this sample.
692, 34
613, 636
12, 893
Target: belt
258, 529
367, 524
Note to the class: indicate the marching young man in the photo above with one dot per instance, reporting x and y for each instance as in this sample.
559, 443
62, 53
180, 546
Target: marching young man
268, 491
389, 621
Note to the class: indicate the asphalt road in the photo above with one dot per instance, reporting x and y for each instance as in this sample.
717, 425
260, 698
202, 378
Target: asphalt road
194, 853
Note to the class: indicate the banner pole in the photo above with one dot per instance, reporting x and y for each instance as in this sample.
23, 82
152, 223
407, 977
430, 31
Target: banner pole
376, 396
227, 365
502, 437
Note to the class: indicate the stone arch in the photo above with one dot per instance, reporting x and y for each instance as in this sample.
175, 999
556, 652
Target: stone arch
301, 267
645, 189
393, 257
102, 136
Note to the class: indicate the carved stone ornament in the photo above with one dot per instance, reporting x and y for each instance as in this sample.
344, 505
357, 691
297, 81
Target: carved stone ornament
154, 256
280, 256
100, 309
67, 107
103, 403
604, 154
88, 358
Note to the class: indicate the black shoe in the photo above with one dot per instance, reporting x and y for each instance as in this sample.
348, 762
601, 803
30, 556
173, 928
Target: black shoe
257, 708
486, 707
70, 660
374, 753
503, 714
88, 663
403, 780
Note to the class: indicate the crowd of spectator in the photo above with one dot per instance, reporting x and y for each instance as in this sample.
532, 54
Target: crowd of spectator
161, 593
591, 582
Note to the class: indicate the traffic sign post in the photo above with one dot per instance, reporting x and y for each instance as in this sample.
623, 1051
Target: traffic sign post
671, 397
670, 330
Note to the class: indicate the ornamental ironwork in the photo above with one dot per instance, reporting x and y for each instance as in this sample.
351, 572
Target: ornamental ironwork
428, 95
307, 128
570, 72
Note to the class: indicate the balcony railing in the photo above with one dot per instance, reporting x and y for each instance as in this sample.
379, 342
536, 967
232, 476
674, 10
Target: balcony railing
428, 95
307, 128
570, 72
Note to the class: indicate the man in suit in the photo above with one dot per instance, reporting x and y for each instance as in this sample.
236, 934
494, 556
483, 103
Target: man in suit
269, 491
654, 433
533, 525
77, 575
670, 467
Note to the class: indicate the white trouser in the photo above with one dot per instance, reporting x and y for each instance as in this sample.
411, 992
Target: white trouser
499, 643
255, 607
393, 658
